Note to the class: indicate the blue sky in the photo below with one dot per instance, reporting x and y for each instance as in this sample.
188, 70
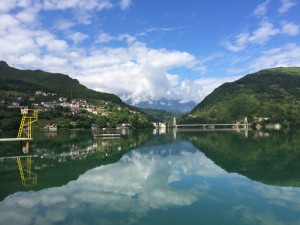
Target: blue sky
146, 50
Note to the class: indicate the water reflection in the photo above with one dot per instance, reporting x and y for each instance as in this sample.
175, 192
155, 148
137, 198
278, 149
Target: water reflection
199, 176
151, 180
269, 157
58, 159
28, 178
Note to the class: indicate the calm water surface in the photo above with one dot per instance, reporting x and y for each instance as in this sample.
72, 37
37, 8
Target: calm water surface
197, 177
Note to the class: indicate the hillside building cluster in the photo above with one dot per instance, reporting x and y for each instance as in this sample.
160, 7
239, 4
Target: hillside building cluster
76, 105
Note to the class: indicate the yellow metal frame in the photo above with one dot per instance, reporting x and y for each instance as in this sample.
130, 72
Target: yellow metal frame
30, 116
28, 178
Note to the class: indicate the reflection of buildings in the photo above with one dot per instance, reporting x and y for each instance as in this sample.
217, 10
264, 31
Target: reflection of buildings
260, 133
98, 148
160, 128
51, 134
159, 125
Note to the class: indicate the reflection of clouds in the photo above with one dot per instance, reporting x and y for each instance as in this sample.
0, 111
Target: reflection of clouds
145, 180
281, 196
247, 215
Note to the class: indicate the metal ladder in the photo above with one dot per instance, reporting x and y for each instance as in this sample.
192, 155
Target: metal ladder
29, 116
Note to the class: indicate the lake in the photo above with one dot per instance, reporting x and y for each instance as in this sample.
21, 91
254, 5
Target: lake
152, 177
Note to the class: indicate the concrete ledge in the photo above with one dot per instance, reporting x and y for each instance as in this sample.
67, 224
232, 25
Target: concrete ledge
16, 139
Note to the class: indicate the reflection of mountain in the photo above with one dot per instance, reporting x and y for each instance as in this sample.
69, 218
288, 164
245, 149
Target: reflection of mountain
56, 161
143, 180
271, 160
166, 184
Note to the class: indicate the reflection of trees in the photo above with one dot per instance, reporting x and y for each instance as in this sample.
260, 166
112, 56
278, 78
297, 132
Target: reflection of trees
65, 157
273, 159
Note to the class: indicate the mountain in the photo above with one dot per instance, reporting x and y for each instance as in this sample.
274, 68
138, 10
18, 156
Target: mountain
51, 82
171, 105
158, 115
19, 88
267, 96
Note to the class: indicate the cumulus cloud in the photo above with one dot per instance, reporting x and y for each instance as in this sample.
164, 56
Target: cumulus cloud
134, 72
142, 74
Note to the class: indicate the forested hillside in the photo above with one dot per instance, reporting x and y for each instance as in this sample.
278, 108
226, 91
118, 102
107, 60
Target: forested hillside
29, 80
267, 96
62, 100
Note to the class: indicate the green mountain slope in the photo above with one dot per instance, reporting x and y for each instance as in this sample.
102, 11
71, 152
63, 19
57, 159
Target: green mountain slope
18, 89
53, 82
159, 115
273, 94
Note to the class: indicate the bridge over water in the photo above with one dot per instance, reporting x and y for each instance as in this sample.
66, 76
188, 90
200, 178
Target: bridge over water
244, 125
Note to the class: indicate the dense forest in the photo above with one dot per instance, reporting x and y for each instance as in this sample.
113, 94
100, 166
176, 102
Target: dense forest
267, 96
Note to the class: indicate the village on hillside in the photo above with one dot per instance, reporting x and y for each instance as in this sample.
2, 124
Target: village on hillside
45, 102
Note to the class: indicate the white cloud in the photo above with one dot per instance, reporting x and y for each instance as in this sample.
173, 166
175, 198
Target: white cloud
286, 5
77, 37
104, 38
200, 88
83, 5
239, 44
7, 22
136, 72
6, 6
63, 24
288, 55
141, 73
290, 28
263, 33
259, 36
261, 9
57, 45
124, 4
127, 37
27, 16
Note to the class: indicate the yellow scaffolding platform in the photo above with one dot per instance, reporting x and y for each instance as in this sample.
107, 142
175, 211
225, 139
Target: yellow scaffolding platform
29, 116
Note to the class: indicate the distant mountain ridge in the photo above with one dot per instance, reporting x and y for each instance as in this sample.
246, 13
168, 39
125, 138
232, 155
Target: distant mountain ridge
171, 105
267, 96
